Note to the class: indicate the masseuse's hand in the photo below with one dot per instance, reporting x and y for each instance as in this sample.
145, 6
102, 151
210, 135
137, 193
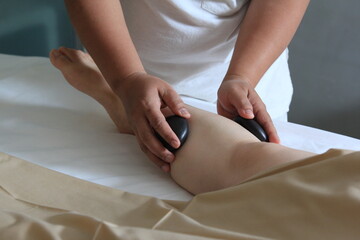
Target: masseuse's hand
236, 96
144, 96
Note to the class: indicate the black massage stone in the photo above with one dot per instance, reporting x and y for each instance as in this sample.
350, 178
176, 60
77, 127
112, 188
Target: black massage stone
254, 127
180, 127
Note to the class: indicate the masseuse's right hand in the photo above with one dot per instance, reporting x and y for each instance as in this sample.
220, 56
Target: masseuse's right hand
144, 96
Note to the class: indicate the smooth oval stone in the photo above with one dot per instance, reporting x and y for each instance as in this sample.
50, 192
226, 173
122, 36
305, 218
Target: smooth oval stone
180, 127
254, 127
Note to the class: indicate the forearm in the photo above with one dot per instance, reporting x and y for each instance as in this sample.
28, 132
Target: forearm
102, 29
265, 32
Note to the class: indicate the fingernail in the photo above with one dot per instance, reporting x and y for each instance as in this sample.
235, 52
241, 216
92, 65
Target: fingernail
184, 112
249, 112
175, 144
56, 53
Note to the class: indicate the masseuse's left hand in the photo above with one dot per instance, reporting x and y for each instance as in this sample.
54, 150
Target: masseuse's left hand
236, 96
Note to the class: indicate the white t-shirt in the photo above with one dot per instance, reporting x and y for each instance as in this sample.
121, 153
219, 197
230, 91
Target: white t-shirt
189, 44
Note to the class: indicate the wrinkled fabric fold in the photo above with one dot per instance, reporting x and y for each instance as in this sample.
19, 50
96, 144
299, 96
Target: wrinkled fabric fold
315, 198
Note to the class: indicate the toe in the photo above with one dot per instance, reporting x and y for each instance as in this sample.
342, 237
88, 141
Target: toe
58, 59
73, 54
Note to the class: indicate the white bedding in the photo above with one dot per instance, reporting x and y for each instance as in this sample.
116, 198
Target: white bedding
45, 121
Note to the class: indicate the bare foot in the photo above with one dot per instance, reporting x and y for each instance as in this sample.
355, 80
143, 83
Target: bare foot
81, 72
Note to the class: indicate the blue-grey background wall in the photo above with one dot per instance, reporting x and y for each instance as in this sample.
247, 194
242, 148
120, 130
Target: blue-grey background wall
325, 67
324, 55
34, 27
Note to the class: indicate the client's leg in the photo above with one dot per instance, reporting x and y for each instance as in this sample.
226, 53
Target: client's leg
218, 153
81, 72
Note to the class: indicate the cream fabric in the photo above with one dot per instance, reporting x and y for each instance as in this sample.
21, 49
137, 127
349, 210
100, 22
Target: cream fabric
315, 198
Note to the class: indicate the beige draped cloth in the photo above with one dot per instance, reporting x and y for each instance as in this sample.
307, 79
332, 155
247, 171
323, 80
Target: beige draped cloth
315, 198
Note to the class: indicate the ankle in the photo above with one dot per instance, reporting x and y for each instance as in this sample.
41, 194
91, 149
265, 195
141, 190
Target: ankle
106, 99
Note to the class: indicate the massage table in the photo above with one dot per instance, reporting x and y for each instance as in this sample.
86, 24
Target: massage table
46, 121
72, 154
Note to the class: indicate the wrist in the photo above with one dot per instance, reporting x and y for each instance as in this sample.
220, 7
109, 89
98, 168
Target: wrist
239, 77
120, 84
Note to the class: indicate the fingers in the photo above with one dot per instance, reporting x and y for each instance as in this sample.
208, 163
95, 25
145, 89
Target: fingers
152, 120
159, 124
233, 99
144, 108
240, 105
157, 161
166, 111
223, 110
174, 102
264, 119
245, 108
149, 143
238, 97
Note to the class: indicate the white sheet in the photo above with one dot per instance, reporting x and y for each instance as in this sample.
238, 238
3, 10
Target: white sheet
45, 121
